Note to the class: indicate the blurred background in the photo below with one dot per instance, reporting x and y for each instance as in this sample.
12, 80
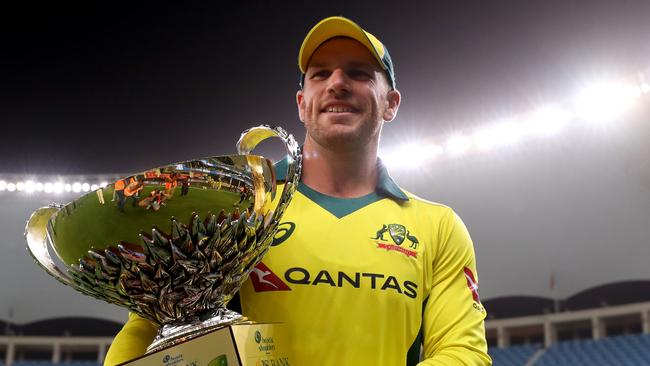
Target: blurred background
530, 119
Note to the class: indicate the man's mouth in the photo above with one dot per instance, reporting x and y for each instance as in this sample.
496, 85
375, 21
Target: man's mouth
339, 109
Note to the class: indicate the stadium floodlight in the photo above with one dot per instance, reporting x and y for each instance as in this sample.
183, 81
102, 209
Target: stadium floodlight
76, 187
30, 186
11, 187
506, 133
67, 187
547, 121
411, 155
388, 160
604, 102
484, 138
58, 187
3, 185
85, 187
48, 187
458, 144
430, 151
20, 186
94, 187
392, 159
39, 187
103, 185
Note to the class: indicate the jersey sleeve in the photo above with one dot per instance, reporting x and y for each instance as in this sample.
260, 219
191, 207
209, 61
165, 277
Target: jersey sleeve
132, 341
453, 317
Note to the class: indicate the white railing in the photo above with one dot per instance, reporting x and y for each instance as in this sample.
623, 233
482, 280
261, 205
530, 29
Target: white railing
55, 344
552, 322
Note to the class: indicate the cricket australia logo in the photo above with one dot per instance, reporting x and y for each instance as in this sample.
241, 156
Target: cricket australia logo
398, 234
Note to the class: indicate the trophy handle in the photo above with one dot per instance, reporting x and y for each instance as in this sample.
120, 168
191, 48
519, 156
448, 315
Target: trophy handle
252, 137
37, 243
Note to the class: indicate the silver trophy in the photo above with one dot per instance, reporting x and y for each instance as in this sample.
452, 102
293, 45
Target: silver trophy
172, 244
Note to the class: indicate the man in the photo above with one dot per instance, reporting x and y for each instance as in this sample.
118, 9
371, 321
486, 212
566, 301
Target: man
363, 272
154, 201
170, 185
132, 190
185, 186
120, 184
243, 195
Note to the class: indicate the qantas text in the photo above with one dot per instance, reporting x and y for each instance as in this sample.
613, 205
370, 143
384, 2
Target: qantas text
300, 276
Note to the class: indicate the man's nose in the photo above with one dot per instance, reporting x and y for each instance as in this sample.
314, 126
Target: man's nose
339, 82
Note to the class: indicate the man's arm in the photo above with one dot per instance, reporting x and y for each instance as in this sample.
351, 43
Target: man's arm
138, 333
454, 333
132, 341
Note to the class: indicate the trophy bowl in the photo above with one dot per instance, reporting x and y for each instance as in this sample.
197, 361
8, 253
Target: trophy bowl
172, 244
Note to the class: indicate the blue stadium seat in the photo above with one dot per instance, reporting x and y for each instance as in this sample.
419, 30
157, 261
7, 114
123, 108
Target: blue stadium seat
627, 350
513, 355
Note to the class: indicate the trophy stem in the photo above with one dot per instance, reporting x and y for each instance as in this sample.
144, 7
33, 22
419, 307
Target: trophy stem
172, 334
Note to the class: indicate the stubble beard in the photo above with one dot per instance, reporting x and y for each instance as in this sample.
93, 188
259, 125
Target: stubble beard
342, 139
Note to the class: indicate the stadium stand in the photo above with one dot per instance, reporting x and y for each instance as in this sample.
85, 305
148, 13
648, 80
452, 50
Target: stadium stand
632, 350
604, 325
513, 355
626, 350
604, 335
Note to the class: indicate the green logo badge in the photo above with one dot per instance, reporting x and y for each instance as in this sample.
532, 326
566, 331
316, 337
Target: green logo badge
285, 229
258, 336
397, 232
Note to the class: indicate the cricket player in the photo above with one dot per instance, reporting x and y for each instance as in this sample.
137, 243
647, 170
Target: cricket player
361, 271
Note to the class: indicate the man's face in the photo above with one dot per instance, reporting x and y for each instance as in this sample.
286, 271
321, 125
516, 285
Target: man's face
345, 98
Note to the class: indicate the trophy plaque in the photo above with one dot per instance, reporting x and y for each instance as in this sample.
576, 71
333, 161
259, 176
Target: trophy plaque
174, 244
239, 344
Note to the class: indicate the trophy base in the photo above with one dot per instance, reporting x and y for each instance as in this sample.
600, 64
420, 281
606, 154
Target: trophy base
169, 334
240, 344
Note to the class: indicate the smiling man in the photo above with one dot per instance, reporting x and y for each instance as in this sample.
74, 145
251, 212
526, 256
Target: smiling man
368, 272
362, 272
344, 102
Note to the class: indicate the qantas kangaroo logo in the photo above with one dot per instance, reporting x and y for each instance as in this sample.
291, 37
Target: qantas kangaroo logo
265, 280
260, 277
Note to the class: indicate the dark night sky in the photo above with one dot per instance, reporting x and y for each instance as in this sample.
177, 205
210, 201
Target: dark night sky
122, 87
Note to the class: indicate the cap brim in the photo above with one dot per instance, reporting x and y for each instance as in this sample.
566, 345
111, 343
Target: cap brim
329, 28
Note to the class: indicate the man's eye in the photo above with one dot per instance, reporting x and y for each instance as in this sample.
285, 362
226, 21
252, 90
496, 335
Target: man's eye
358, 74
320, 75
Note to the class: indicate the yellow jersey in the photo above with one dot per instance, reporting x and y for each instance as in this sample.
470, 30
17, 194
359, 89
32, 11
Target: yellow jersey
367, 281
362, 281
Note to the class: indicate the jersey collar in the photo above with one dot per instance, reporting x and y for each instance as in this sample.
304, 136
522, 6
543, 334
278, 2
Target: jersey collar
386, 186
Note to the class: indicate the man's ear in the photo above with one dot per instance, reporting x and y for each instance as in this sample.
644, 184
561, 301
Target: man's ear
393, 99
300, 101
